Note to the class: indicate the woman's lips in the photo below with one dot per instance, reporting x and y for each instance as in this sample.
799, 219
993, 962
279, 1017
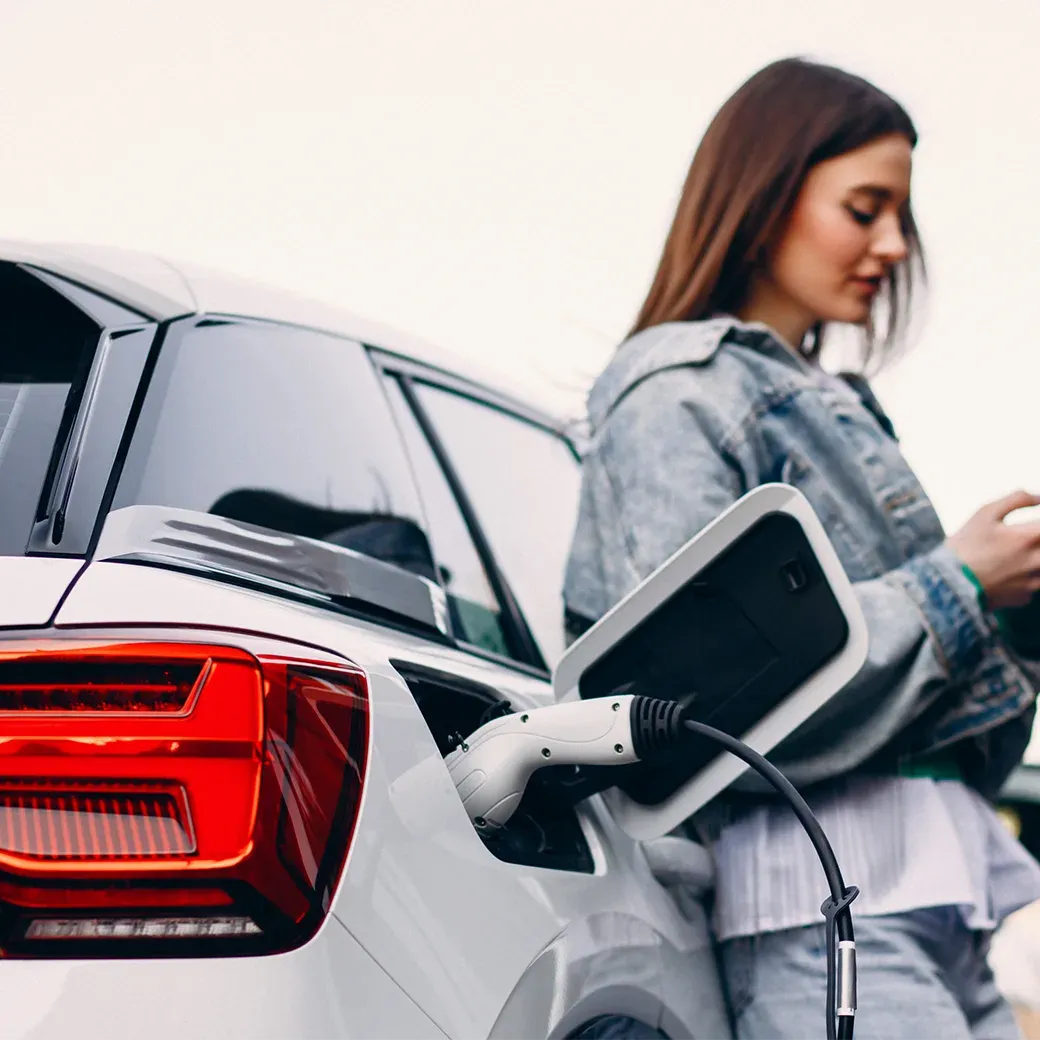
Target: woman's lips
867, 285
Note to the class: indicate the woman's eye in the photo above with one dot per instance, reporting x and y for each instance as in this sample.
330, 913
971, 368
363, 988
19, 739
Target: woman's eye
861, 216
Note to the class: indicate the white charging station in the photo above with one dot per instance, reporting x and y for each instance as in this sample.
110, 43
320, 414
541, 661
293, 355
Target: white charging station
645, 821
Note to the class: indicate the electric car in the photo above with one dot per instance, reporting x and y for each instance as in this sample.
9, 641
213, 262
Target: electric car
263, 565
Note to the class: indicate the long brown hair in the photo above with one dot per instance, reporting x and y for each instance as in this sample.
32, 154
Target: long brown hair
743, 183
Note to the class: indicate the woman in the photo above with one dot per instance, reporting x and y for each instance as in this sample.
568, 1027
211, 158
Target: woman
796, 215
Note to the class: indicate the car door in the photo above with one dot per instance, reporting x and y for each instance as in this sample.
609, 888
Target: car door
500, 487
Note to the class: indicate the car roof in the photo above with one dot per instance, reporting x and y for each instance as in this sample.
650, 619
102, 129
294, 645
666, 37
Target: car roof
161, 289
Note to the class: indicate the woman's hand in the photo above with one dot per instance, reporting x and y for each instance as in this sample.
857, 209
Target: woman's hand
1004, 557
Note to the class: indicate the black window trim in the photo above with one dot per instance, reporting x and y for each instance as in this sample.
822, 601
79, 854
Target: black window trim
439, 379
75, 503
67, 498
408, 372
122, 452
519, 638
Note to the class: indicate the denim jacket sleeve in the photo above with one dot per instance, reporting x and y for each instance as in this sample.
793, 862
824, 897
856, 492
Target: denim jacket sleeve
641, 502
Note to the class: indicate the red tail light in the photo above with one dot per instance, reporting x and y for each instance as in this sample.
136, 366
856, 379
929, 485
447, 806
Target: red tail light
199, 791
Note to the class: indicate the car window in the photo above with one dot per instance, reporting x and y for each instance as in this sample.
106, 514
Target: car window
523, 481
46, 348
278, 427
475, 613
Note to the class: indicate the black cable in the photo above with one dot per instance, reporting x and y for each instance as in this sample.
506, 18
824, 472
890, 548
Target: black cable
836, 909
657, 725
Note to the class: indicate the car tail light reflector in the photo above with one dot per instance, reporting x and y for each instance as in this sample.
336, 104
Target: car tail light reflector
95, 821
140, 927
155, 791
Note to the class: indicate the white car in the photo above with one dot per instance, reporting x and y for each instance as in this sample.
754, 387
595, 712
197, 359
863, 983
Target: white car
262, 565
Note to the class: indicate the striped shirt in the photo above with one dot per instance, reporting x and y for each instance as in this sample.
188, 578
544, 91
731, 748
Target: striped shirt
905, 842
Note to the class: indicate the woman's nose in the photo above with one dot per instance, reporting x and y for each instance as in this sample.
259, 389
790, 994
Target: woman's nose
890, 243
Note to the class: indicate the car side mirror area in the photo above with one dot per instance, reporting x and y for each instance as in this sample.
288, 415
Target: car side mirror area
751, 627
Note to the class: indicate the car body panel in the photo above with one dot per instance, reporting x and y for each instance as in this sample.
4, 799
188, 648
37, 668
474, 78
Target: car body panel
330, 987
575, 979
147, 284
31, 588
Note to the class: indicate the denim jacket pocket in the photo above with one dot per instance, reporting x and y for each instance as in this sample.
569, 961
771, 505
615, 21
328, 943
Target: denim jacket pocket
860, 560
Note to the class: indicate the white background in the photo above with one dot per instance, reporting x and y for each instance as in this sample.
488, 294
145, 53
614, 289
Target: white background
498, 177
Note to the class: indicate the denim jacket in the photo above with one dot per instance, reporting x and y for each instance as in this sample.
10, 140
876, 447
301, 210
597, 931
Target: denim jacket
688, 417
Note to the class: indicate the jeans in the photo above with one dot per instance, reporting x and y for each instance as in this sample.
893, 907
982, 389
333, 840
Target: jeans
921, 975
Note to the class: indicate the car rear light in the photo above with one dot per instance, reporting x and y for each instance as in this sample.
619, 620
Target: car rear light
175, 794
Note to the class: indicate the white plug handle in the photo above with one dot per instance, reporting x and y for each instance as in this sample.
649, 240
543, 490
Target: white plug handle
491, 768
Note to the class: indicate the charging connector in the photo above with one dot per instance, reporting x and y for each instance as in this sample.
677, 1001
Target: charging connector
491, 769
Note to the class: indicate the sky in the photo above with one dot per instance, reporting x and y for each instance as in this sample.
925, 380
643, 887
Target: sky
498, 177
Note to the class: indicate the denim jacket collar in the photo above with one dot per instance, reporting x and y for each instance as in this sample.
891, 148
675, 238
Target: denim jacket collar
676, 344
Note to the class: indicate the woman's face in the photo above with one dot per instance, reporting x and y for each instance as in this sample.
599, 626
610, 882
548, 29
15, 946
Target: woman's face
844, 234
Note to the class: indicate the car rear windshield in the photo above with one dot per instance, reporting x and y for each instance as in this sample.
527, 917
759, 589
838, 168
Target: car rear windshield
46, 347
